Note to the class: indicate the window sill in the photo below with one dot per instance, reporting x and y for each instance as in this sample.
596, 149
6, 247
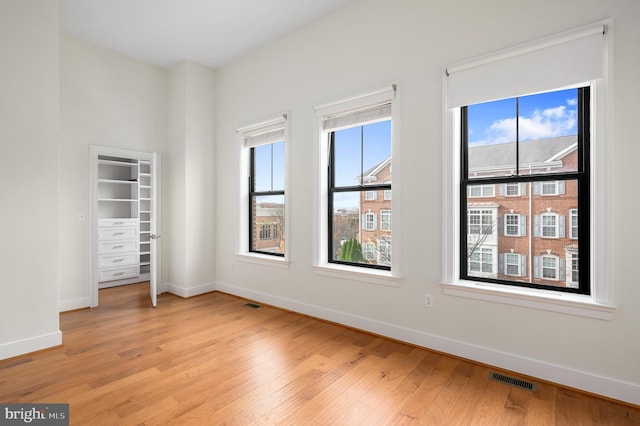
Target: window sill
371, 276
263, 259
573, 304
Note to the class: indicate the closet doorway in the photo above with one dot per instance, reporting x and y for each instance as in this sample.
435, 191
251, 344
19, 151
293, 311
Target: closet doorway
125, 220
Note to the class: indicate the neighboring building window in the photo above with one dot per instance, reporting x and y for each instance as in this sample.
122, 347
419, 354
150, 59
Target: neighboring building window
512, 264
384, 251
481, 191
266, 209
369, 221
387, 192
574, 270
359, 168
550, 267
480, 222
369, 251
573, 217
512, 189
549, 225
512, 225
481, 260
385, 220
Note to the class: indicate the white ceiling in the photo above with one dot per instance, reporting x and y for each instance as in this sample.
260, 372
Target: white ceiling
164, 32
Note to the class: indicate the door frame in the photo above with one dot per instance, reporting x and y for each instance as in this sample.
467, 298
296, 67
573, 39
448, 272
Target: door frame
94, 152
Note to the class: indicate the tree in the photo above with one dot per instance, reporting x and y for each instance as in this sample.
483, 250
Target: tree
351, 251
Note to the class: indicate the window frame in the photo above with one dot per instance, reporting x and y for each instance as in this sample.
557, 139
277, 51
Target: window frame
600, 303
356, 100
277, 122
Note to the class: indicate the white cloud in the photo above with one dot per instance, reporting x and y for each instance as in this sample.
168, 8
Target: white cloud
548, 123
572, 102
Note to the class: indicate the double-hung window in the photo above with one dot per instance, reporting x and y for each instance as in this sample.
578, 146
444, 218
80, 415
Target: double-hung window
356, 135
514, 125
264, 149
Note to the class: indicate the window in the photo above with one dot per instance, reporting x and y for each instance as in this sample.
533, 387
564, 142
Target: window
549, 225
369, 251
574, 270
512, 263
481, 191
512, 189
359, 169
385, 220
480, 222
477, 88
573, 217
384, 251
514, 225
263, 156
481, 260
369, 221
550, 267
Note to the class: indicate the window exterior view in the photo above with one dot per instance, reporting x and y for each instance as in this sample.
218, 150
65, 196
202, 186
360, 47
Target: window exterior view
360, 195
266, 193
526, 186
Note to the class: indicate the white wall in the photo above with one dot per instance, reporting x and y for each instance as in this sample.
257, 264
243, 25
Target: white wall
29, 117
110, 100
368, 43
190, 232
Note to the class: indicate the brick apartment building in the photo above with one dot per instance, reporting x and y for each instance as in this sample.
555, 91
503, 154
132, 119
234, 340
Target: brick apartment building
268, 232
524, 231
375, 210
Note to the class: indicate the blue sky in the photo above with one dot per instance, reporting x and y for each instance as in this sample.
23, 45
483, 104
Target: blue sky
542, 116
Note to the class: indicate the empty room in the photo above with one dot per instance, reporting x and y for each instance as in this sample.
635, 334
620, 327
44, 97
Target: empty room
319, 212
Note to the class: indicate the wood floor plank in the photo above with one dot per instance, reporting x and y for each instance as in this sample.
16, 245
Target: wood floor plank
211, 360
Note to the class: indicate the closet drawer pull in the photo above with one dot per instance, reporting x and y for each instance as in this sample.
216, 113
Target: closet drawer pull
118, 247
117, 260
116, 234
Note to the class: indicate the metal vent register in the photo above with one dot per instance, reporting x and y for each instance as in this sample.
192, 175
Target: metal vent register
513, 381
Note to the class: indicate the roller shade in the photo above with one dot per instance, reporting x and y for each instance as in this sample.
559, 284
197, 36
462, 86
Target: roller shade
554, 62
263, 133
361, 109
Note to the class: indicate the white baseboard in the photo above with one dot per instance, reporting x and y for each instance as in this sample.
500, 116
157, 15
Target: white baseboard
72, 304
190, 291
565, 376
32, 344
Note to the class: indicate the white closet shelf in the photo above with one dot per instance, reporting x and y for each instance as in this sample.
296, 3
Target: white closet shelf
118, 181
118, 199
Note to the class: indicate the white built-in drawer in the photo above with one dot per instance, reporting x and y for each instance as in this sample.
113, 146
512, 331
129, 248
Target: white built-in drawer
118, 274
117, 222
118, 233
106, 261
117, 246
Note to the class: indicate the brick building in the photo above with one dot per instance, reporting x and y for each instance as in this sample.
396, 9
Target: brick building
375, 210
525, 231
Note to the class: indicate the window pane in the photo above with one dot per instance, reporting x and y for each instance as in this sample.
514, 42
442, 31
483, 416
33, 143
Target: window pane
269, 167
491, 144
268, 224
548, 132
361, 229
358, 153
377, 148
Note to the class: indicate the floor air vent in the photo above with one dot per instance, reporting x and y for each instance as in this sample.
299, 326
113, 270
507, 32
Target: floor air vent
252, 305
512, 381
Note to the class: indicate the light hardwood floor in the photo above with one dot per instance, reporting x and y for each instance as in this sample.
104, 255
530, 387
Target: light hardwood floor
210, 360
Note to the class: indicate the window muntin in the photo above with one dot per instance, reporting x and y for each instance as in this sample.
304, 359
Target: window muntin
359, 168
480, 222
266, 199
540, 187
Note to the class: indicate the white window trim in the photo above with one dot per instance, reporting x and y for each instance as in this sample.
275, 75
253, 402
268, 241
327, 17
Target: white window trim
388, 92
556, 268
387, 213
573, 213
600, 304
549, 194
242, 250
369, 219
